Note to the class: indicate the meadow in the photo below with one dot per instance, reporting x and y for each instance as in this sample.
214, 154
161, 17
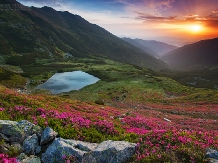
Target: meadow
170, 122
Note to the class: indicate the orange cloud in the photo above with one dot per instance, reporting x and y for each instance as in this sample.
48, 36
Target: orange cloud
143, 16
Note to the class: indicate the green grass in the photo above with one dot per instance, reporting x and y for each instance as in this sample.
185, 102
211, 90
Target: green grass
11, 79
139, 95
119, 82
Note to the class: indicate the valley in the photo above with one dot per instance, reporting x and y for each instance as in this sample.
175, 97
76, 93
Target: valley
162, 97
128, 103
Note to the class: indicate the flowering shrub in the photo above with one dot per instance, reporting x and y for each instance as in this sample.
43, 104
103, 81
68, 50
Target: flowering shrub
5, 159
164, 133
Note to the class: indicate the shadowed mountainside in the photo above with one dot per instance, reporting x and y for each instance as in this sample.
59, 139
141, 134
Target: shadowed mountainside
194, 56
29, 33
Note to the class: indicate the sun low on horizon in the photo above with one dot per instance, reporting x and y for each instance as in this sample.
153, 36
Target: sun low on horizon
196, 28
146, 19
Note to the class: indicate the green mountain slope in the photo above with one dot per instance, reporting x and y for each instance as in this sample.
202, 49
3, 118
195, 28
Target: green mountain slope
194, 56
28, 34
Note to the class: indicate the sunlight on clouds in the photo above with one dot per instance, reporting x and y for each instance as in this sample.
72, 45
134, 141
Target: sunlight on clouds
143, 18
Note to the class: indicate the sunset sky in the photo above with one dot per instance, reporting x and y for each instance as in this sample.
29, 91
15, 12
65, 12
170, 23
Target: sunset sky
180, 20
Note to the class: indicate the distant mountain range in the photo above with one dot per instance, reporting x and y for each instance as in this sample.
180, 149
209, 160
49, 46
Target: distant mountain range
152, 47
198, 55
29, 33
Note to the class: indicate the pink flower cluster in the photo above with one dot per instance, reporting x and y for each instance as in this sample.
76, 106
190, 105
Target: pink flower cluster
5, 159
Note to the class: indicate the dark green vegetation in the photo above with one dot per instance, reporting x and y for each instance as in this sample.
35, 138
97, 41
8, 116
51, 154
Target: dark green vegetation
11, 79
200, 55
30, 34
203, 78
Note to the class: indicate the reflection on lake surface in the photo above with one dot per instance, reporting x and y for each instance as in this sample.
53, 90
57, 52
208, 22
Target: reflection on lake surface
68, 81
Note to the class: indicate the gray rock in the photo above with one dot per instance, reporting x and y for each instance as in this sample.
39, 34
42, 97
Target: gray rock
38, 150
18, 131
47, 135
211, 160
212, 155
22, 156
83, 152
10, 129
31, 159
29, 128
30, 144
61, 147
111, 152
83, 146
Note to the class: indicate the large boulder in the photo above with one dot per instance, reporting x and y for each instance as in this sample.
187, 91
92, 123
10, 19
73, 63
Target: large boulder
111, 152
18, 131
48, 135
61, 148
105, 152
31, 145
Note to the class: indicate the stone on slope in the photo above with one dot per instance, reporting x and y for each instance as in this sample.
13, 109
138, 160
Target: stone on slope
111, 152
61, 148
22, 158
47, 135
212, 155
31, 159
18, 131
30, 145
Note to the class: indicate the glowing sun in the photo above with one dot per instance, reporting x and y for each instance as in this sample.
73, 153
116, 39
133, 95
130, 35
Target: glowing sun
196, 28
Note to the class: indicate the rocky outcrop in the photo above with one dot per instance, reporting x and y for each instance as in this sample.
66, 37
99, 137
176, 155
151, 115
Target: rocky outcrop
111, 151
212, 155
31, 145
22, 158
18, 131
32, 140
48, 135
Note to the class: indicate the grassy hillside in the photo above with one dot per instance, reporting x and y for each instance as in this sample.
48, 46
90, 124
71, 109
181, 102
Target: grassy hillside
169, 121
176, 125
36, 33
11, 79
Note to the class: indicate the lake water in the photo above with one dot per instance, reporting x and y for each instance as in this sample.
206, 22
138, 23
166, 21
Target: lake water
68, 81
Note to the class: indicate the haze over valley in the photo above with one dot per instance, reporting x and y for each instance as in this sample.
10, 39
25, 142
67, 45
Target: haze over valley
117, 72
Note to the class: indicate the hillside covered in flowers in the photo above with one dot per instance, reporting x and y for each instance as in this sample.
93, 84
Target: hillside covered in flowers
162, 134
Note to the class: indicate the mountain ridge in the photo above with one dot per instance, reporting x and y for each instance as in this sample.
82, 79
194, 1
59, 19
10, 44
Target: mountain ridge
153, 47
196, 55
45, 31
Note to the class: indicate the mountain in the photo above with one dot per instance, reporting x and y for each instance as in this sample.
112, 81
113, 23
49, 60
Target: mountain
197, 55
144, 48
153, 47
28, 34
